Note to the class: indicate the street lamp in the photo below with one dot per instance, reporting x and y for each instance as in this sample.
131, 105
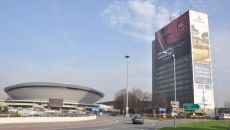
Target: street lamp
127, 94
174, 77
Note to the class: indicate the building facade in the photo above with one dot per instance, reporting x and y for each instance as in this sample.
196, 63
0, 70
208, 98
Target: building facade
186, 39
48, 99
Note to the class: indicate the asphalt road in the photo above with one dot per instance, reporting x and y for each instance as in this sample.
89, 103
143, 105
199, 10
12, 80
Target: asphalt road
101, 123
126, 124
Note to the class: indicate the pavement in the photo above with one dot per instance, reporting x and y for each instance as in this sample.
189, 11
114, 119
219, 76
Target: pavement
60, 125
101, 123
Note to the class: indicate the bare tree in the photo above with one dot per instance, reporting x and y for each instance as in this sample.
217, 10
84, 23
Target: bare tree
139, 101
147, 102
120, 100
143, 100
158, 100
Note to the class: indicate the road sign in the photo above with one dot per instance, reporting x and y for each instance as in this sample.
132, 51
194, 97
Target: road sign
94, 109
174, 104
191, 106
174, 114
174, 109
162, 109
164, 115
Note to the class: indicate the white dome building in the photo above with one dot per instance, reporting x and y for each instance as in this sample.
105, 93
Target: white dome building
43, 91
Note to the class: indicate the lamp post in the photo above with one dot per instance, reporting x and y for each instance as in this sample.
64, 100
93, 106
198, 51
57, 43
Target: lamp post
174, 80
124, 102
127, 94
174, 75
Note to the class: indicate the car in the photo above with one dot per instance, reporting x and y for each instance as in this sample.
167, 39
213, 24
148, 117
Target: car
137, 118
219, 117
113, 114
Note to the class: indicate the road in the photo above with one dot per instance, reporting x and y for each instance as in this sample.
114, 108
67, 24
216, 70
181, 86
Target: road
102, 123
126, 124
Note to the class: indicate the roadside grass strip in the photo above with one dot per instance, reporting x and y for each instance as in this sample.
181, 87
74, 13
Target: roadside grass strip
208, 125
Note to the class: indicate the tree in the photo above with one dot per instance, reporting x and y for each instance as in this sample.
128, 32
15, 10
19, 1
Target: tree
120, 101
139, 94
5, 109
158, 100
143, 100
139, 101
147, 102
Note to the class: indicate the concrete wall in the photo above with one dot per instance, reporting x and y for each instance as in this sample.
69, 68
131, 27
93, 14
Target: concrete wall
14, 120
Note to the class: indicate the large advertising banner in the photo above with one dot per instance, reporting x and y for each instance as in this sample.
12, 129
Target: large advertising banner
203, 89
55, 102
173, 38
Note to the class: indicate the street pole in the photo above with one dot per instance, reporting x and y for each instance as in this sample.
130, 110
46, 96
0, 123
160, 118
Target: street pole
174, 75
124, 102
127, 93
174, 79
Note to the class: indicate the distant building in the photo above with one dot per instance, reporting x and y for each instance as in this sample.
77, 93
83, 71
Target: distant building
223, 110
187, 38
108, 103
106, 106
56, 96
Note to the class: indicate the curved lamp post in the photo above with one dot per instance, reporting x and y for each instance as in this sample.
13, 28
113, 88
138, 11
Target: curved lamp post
174, 77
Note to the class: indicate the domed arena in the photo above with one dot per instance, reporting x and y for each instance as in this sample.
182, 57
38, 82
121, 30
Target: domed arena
43, 91
45, 98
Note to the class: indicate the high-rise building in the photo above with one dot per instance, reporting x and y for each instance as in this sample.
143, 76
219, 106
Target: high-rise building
186, 39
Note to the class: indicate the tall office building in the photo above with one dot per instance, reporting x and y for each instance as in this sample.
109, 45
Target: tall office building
186, 38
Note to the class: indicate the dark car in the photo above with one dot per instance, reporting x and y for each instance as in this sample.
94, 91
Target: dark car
219, 117
137, 118
113, 114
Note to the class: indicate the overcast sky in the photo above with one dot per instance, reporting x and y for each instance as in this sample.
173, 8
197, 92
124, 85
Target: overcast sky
84, 42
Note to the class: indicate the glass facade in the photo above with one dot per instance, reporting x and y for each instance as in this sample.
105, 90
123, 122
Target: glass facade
176, 39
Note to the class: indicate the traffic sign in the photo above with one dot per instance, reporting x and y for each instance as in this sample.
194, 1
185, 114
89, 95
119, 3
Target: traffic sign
162, 109
174, 114
191, 106
164, 115
94, 109
174, 104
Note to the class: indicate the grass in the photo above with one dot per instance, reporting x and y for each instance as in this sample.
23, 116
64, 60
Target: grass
209, 125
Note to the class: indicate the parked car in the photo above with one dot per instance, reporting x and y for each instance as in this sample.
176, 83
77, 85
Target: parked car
137, 118
219, 117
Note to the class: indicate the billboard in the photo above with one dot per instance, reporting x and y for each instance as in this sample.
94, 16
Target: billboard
201, 58
55, 102
173, 38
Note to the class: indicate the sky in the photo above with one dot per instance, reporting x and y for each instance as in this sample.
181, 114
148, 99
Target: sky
84, 42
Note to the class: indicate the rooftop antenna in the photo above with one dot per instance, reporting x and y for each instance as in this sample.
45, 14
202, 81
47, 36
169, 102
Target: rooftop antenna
170, 18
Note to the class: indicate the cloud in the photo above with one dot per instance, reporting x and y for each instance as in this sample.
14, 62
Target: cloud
137, 18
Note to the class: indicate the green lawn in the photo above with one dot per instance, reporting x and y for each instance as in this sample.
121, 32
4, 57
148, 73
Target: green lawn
209, 125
